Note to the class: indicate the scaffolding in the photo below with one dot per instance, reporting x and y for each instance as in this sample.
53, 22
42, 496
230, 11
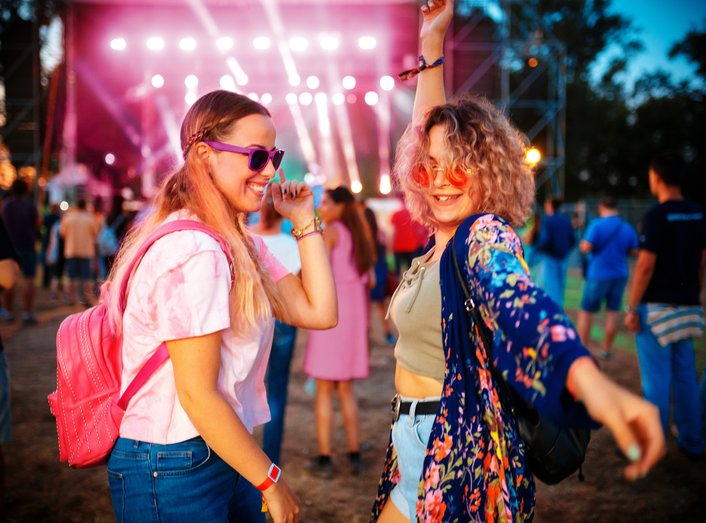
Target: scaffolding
525, 77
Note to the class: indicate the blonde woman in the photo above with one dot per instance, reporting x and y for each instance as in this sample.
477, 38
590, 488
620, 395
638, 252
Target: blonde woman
455, 452
186, 438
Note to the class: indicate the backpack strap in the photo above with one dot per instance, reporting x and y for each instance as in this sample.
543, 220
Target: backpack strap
161, 355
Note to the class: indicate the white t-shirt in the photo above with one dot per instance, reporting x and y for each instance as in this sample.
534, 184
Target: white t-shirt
180, 290
284, 248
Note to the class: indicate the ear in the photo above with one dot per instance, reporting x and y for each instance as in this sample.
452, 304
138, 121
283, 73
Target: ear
202, 151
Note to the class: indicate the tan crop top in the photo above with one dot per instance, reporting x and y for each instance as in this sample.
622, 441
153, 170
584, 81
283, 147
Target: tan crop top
415, 309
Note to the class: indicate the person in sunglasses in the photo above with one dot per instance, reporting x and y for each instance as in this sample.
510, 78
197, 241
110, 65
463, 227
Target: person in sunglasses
455, 453
186, 443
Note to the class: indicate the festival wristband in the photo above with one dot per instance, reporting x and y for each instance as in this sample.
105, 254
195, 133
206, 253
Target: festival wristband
273, 475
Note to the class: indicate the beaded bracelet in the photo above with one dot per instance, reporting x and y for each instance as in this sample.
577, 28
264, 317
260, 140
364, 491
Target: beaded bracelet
316, 223
411, 73
317, 231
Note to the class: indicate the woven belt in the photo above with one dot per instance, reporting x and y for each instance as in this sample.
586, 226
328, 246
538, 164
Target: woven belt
400, 407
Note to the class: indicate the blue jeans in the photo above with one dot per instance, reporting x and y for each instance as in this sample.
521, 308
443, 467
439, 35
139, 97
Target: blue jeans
671, 369
181, 482
277, 383
551, 277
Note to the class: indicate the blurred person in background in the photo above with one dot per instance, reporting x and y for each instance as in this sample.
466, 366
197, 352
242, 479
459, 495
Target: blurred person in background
79, 230
608, 242
337, 356
22, 222
379, 292
408, 238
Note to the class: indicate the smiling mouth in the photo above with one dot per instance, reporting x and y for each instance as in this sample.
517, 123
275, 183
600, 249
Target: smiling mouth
446, 198
258, 188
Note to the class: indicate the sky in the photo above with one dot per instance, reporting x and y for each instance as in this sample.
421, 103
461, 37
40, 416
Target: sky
661, 24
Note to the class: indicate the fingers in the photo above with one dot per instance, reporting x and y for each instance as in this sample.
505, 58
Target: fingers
282, 177
649, 431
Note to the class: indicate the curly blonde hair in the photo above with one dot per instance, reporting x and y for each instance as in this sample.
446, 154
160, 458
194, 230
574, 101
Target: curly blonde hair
253, 294
481, 142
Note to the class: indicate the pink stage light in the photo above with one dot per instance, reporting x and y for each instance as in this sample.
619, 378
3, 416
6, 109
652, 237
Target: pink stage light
348, 82
371, 98
191, 81
118, 44
312, 82
190, 98
158, 81
351, 98
254, 97
320, 98
224, 43
329, 42
298, 44
305, 98
187, 44
338, 99
227, 82
294, 80
266, 99
110, 158
261, 43
387, 83
291, 98
356, 186
155, 43
385, 184
367, 43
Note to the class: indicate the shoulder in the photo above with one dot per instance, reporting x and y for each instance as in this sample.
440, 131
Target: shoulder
488, 229
177, 248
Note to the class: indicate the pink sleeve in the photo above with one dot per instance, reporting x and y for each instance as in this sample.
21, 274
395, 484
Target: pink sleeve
191, 299
275, 269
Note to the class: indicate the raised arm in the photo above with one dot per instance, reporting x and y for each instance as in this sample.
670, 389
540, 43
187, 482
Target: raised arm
437, 15
310, 301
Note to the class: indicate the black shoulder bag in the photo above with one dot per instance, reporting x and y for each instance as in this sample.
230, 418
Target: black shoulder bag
553, 451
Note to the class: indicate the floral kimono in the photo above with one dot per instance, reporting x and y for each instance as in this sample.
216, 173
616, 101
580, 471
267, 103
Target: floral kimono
475, 469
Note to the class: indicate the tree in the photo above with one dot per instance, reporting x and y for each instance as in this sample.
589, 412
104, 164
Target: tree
693, 48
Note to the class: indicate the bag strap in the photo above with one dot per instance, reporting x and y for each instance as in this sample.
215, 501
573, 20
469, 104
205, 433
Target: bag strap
613, 234
161, 355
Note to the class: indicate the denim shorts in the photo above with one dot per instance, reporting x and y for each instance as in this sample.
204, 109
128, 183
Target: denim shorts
410, 435
79, 268
181, 482
595, 292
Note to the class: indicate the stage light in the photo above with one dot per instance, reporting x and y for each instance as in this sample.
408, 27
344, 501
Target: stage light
187, 44
338, 99
224, 43
329, 42
387, 83
261, 43
291, 98
110, 158
533, 156
320, 98
305, 98
298, 44
241, 78
348, 82
385, 185
64, 206
118, 44
294, 80
532, 62
266, 99
191, 81
155, 43
367, 43
158, 81
227, 82
371, 98
351, 98
312, 82
356, 186
254, 97
190, 98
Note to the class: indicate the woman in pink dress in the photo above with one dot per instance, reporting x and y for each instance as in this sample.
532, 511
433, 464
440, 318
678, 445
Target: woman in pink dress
337, 356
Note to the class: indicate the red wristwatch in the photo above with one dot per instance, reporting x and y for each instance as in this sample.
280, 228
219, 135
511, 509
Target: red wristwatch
273, 475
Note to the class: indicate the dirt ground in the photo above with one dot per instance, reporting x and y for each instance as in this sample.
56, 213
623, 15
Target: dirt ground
40, 489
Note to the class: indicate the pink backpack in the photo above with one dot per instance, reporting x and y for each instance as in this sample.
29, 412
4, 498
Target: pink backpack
86, 403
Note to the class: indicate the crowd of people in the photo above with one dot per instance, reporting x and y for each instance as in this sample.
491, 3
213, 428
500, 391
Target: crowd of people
230, 322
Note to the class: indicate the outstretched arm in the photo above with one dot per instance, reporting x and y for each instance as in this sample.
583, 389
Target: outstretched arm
437, 16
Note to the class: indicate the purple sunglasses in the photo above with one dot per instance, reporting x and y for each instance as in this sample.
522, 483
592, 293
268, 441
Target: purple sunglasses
257, 157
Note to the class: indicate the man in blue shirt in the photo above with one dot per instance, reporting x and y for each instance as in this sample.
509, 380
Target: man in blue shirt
609, 240
555, 240
663, 305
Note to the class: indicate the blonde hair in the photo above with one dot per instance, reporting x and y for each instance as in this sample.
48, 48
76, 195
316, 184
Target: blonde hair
253, 294
481, 142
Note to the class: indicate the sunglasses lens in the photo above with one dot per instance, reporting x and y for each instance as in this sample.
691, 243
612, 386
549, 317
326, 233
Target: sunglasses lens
277, 159
420, 175
258, 160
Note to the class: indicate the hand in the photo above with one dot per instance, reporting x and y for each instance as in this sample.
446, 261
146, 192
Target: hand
632, 321
437, 15
633, 421
282, 504
293, 200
